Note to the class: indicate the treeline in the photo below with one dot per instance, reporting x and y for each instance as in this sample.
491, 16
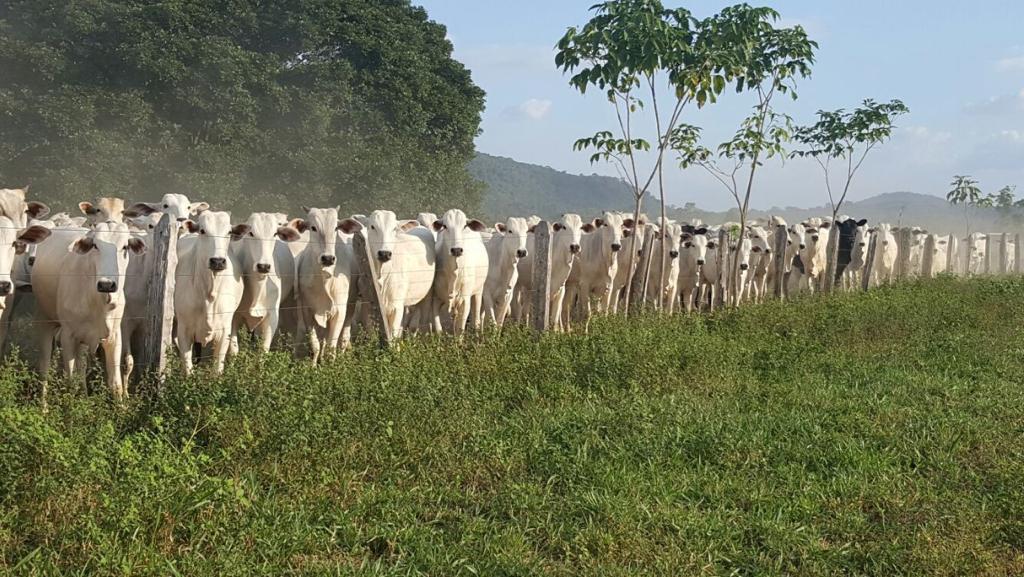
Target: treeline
248, 105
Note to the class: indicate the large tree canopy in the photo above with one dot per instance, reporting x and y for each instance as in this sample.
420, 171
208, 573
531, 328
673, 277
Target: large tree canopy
248, 104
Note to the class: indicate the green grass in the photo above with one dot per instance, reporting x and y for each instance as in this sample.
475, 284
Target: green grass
877, 434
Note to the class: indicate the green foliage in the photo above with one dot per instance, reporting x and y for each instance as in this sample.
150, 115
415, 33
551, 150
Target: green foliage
247, 104
964, 190
767, 440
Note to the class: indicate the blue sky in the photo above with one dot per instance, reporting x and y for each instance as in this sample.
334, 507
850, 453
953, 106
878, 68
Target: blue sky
959, 66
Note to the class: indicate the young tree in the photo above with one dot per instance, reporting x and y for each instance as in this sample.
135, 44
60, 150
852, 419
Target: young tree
630, 49
965, 192
767, 61
846, 137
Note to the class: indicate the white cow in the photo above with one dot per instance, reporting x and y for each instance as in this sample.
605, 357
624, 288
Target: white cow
461, 270
672, 233
692, 255
710, 272
403, 258
208, 286
177, 205
505, 249
565, 246
627, 257
594, 270
324, 275
14, 245
268, 275
884, 266
814, 253
14, 206
760, 262
141, 268
78, 280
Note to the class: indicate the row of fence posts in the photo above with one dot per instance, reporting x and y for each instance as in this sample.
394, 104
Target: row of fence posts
163, 243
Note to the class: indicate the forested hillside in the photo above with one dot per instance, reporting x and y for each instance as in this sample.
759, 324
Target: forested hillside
251, 105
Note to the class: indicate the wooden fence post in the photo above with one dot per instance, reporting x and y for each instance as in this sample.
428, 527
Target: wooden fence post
163, 249
1002, 254
722, 260
831, 259
987, 265
928, 257
869, 262
779, 262
1018, 266
363, 258
541, 276
951, 248
968, 248
638, 288
903, 253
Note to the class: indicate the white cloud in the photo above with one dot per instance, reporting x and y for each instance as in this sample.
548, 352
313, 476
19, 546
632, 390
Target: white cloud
1003, 150
1004, 104
534, 108
1010, 64
507, 58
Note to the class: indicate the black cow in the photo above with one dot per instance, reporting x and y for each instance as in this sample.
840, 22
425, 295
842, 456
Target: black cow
847, 233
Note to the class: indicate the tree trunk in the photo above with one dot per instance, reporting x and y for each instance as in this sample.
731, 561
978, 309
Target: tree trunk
632, 253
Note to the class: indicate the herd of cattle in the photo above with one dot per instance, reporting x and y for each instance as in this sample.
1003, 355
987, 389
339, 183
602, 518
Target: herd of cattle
90, 273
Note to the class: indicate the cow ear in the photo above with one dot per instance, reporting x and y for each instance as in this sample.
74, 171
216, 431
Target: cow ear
437, 225
532, 228
287, 233
599, 222
408, 225
83, 245
476, 226
627, 232
191, 226
862, 222
34, 234
139, 209
37, 209
240, 230
702, 230
299, 224
87, 208
557, 227
685, 236
500, 227
198, 207
628, 222
350, 226
589, 227
825, 225
712, 244
136, 245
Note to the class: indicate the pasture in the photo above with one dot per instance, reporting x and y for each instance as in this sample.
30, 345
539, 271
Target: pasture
875, 433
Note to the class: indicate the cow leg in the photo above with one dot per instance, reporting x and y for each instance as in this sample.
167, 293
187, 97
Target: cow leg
436, 313
221, 344
5, 322
45, 333
185, 349
112, 355
237, 322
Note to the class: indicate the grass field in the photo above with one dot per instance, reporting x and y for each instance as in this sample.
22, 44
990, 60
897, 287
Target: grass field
878, 434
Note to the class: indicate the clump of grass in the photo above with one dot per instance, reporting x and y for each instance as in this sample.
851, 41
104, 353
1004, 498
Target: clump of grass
857, 434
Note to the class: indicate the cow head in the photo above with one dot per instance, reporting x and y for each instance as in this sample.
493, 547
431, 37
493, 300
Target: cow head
451, 231
694, 243
14, 241
14, 206
176, 205
514, 233
144, 223
105, 209
381, 230
107, 245
744, 246
213, 232
609, 227
322, 226
568, 235
261, 239
759, 244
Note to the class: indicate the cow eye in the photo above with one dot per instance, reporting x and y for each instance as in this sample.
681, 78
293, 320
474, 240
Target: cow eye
312, 228
373, 227
202, 231
151, 226
251, 234
167, 206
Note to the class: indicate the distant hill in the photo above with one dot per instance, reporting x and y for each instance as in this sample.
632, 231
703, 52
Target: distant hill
518, 188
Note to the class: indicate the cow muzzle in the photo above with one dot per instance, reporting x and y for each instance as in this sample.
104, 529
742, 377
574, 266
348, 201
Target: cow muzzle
383, 255
263, 268
616, 247
456, 251
327, 260
218, 263
673, 254
574, 248
521, 253
106, 286
700, 262
31, 261
802, 246
744, 266
5, 288
814, 238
